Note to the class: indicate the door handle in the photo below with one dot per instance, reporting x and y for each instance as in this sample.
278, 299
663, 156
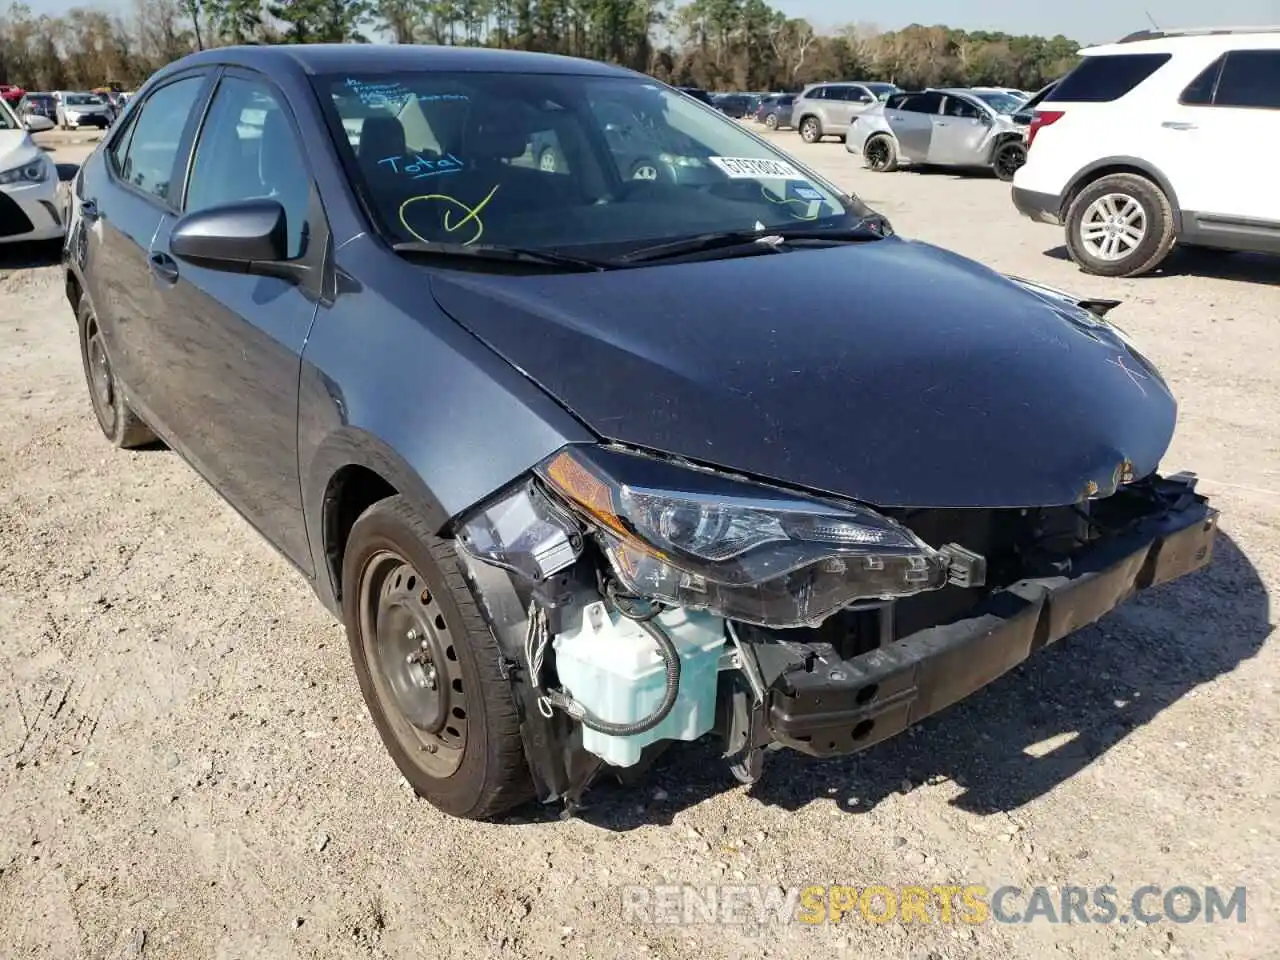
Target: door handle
943, 123
164, 266
1178, 125
89, 209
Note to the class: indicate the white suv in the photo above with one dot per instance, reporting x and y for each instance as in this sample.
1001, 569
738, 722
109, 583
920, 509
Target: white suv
1157, 139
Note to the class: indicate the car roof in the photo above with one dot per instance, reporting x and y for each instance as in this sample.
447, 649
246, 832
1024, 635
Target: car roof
1209, 40
320, 58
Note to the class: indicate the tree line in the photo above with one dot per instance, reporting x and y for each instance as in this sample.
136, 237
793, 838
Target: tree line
715, 44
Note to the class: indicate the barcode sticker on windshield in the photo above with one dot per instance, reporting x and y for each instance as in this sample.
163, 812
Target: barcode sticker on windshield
751, 168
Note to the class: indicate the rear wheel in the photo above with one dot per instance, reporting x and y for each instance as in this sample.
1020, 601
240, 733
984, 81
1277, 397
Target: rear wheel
119, 423
1010, 156
1119, 226
810, 130
880, 154
428, 666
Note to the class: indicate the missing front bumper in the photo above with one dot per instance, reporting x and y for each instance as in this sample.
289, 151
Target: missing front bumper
841, 707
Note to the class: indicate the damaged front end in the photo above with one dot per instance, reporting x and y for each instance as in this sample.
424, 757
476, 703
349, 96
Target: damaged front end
641, 600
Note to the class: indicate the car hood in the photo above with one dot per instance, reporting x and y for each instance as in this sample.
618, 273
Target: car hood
890, 372
16, 149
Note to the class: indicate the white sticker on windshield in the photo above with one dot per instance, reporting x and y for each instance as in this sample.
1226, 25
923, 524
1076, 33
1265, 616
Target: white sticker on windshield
751, 168
808, 193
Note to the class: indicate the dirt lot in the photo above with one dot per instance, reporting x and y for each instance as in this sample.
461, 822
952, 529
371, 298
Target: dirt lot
189, 772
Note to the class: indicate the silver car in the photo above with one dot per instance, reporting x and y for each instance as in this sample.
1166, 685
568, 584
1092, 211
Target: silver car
77, 110
946, 128
828, 109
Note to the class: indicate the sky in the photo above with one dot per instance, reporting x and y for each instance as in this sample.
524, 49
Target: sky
1089, 21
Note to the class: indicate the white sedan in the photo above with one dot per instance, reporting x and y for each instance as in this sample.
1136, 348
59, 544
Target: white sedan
29, 201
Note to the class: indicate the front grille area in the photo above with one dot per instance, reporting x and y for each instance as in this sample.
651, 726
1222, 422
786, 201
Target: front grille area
12, 220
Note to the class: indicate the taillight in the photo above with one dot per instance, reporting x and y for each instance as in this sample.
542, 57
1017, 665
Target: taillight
1040, 120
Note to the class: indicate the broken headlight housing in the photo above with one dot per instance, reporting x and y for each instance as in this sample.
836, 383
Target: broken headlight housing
691, 537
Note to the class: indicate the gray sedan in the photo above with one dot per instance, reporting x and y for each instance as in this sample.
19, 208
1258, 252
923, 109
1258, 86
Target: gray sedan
949, 128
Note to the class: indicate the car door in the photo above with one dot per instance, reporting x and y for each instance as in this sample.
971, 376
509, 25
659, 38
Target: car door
839, 106
960, 133
123, 199
910, 117
1231, 109
231, 343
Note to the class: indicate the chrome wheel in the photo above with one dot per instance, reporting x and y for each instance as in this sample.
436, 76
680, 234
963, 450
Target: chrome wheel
771, 121
1113, 226
644, 171
414, 664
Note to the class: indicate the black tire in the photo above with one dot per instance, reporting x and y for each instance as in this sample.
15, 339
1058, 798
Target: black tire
119, 423
880, 154
1008, 158
489, 774
1157, 235
771, 121
810, 130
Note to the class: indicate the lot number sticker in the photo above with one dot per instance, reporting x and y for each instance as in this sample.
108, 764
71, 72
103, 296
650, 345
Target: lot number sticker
750, 168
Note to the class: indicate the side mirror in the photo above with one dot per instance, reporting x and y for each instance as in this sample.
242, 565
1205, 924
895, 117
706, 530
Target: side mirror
35, 123
247, 237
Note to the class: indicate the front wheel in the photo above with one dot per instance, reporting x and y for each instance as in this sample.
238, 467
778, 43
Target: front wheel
880, 154
810, 130
1119, 226
771, 121
1010, 156
547, 162
429, 667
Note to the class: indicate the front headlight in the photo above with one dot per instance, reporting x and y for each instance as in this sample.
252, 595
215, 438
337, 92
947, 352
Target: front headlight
36, 171
696, 538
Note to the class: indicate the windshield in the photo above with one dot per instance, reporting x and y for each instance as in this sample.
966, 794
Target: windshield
1000, 101
83, 100
548, 162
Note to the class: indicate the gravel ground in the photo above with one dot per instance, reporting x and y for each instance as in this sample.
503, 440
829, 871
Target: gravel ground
188, 770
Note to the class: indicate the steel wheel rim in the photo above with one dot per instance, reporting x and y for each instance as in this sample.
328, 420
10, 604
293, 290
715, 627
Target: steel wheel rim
1113, 227
101, 382
413, 662
810, 130
547, 162
878, 154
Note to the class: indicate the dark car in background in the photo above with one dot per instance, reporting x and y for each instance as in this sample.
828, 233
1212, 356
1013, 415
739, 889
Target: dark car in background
38, 104
775, 112
733, 105
698, 94
589, 465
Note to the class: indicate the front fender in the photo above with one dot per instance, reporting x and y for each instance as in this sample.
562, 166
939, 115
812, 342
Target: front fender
398, 388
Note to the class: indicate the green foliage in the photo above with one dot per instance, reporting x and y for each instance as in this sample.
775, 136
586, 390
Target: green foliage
718, 44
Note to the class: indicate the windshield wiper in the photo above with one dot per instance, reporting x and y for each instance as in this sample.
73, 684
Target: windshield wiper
496, 252
868, 228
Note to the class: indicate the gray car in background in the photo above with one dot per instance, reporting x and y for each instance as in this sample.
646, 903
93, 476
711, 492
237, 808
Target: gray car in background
76, 109
828, 109
946, 128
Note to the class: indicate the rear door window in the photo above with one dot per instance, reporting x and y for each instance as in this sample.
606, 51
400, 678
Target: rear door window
1250, 78
1103, 78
